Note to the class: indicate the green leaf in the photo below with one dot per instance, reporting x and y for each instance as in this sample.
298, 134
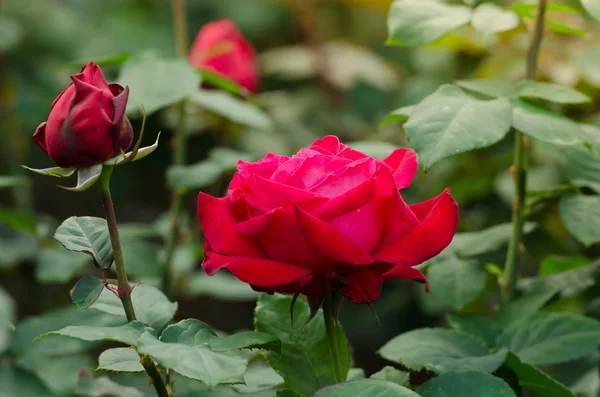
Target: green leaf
592, 7
120, 359
581, 167
60, 374
534, 380
581, 216
89, 235
557, 27
489, 18
18, 221
141, 153
12, 181
567, 283
481, 327
190, 332
378, 149
31, 327
218, 81
444, 125
398, 116
466, 384
441, 351
86, 291
86, 177
16, 382
103, 386
549, 92
413, 23
551, 338
127, 334
544, 124
221, 286
486, 240
141, 258
525, 306
16, 247
232, 108
56, 172
458, 282
246, 340
7, 316
392, 374
151, 306
194, 362
305, 361
489, 87
156, 83
195, 176
553, 264
288, 393
259, 376
366, 388
56, 265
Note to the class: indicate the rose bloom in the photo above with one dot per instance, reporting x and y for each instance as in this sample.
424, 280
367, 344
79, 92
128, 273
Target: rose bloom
220, 48
328, 218
87, 123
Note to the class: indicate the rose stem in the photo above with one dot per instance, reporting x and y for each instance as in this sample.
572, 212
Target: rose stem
520, 165
331, 328
123, 285
179, 155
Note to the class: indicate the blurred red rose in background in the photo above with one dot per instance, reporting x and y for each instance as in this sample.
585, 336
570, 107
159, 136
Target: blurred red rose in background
87, 123
219, 47
328, 218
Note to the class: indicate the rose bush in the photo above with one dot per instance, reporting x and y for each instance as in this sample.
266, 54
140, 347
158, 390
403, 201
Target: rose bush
87, 123
327, 218
220, 48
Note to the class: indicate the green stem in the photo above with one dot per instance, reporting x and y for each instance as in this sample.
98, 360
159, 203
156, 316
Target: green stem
331, 328
179, 154
123, 284
520, 165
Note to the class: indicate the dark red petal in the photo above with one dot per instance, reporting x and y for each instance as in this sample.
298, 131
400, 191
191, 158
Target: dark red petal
122, 132
428, 238
406, 273
404, 166
313, 170
39, 136
330, 241
277, 194
256, 225
363, 286
352, 200
220, 230
283, 241
264, 167
259, 272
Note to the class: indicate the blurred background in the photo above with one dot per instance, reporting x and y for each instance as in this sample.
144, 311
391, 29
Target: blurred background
324, 69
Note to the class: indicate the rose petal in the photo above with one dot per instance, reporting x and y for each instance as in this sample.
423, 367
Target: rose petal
122, 131
259, 272
277, 194
329, 144
264, 167
313, 170
330, 241
428, 238
352, 200
363, 286
343, 179
39, 136
256, 225
406, 273
404, 166
220, 231
283, 241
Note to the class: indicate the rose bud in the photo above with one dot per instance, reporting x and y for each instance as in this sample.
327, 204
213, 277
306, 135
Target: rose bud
220, 48
87, 123
328, 218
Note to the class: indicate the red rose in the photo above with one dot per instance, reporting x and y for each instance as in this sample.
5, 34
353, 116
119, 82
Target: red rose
87, 123
327, 218
219, 47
